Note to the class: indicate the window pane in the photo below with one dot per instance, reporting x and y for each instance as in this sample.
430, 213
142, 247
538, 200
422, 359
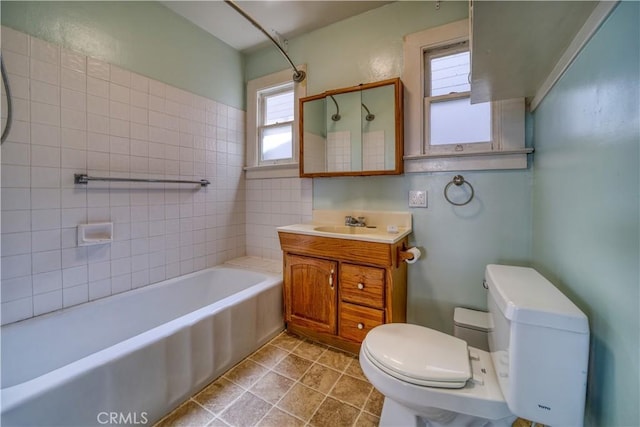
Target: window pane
276, 143
457, 121
450, 74
278, 108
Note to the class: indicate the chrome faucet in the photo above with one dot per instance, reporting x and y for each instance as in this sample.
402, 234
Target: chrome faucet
355, 222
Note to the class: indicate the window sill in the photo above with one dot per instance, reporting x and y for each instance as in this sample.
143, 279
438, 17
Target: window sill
279, 170
489, 160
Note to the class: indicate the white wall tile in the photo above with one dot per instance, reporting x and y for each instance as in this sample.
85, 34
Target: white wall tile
43, 262
73, 60
85, 114
43, 134
74, 80
16, 310
73, 100
97, 87
44, 51
45, 219
74, 276
15, 63
46, 303
45, 198
45, 114
75, 295
98, 69
44, 71
45, 92
18, 288
16, 221
99, 289
16, 266
121, 284
16, 243
47, 282
16, 154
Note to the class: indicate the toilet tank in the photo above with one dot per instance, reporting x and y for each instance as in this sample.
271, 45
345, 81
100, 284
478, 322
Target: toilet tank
539, 346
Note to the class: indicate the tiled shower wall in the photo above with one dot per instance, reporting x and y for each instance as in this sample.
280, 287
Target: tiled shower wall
272, 203
76, 114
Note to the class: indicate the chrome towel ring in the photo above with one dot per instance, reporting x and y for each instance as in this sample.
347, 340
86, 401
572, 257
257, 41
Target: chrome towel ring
458, 180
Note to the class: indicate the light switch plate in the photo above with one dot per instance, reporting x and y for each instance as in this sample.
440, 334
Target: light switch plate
417, 199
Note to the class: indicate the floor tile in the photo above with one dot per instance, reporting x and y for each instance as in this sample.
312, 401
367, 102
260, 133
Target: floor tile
246, 411
374, 402
246, 373
320, 378
218, 395
355, 370
334, 413
278, 418
187, 415
367, 420
292, 366
301, 401
269, 355
272, 387
286, 341
290, 381
335, 359
351, 390
309, 350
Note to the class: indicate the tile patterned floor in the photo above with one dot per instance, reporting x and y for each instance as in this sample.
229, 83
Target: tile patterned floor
287, 382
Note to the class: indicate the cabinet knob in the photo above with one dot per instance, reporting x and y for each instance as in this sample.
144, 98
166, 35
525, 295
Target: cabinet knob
360, 285
360, 325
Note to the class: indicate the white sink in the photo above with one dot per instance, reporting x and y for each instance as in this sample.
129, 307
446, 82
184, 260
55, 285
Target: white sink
345, 229
329, 223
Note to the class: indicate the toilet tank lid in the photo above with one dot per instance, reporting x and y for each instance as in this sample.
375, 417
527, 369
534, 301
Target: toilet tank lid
525, 296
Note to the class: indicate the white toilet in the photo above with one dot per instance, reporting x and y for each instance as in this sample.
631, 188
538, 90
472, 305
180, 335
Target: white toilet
536, 368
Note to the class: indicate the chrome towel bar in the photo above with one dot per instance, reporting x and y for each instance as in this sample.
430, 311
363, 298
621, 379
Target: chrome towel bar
80, 178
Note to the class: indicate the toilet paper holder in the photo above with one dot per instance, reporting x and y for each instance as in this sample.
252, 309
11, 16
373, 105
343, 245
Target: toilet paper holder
408, 255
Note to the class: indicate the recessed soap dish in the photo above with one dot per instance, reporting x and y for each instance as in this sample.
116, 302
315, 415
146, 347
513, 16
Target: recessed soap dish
95, 234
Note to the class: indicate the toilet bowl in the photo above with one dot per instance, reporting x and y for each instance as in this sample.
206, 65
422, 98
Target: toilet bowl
535, 369
448, 384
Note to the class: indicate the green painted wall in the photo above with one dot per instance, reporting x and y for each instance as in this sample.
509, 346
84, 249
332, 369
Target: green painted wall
361, 49
458, 242
586, 223
145, 37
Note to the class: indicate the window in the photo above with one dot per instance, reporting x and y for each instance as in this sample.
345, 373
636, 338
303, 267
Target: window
449, 115
272, 131
443, 129
275, 131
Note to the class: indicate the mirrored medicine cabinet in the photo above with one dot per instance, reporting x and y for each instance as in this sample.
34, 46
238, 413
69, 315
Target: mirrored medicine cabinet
353, 131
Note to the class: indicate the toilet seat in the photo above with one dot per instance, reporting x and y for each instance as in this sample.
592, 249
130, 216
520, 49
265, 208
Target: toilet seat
418, 355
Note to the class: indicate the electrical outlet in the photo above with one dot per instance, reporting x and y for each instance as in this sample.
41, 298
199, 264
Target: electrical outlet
417, 199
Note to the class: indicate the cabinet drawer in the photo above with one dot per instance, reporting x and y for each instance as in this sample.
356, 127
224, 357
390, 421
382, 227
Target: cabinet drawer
362, 285
356, 321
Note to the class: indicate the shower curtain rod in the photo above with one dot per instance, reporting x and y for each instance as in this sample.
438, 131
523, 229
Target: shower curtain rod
298, 75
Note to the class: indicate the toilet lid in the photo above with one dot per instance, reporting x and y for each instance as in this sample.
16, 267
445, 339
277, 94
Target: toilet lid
419, 355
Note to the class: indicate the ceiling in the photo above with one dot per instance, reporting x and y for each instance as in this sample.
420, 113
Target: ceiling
286, 18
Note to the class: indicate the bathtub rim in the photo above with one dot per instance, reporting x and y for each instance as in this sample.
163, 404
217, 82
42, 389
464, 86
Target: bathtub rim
13, 396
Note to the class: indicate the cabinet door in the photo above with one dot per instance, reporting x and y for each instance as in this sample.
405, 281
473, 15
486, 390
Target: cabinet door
310, 292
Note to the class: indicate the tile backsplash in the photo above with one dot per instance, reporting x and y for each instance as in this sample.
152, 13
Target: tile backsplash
75, 114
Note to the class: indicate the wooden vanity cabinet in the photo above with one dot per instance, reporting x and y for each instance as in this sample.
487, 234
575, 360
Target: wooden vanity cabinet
314, 280
336, 290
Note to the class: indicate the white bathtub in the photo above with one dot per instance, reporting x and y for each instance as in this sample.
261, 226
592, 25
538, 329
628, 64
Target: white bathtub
130, 358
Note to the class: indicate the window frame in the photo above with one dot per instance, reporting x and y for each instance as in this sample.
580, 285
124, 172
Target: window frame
507, 150
271, 169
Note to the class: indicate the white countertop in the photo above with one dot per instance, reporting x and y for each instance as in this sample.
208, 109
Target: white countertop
331, 224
